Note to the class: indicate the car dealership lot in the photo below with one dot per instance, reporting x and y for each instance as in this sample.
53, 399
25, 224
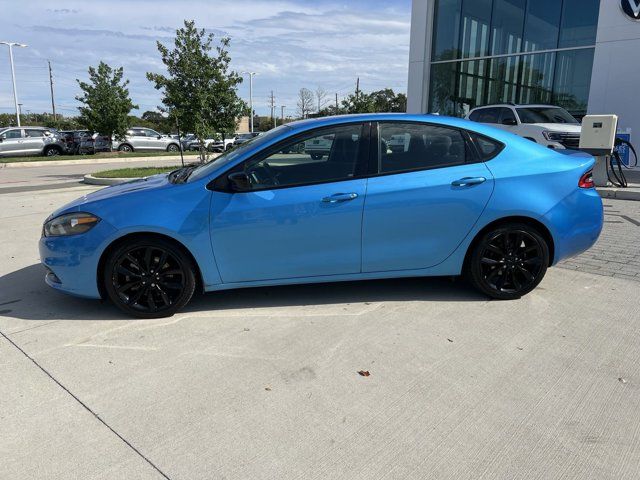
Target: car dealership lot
264, 383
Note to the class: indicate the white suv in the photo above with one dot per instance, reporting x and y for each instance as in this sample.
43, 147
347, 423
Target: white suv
548, 125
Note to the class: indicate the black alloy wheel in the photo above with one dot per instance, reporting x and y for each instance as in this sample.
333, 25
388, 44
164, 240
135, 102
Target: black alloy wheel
125, 148
509, 261
149, 279
52, 152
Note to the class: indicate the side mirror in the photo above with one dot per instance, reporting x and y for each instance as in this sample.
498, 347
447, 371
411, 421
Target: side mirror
1, 139
159, 137
240, 182
509, 121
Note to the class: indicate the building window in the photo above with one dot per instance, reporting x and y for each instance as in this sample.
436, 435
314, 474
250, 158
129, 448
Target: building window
468, 33
578, 28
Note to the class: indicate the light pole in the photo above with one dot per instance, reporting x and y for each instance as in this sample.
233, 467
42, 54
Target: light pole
251, 74
282, 107
13, 74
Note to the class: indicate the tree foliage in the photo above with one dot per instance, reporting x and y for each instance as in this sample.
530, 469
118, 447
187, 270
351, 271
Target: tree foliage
199, 89
385, 100
106, 101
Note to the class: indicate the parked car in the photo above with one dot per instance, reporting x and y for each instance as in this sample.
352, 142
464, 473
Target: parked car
464, 198
145, 139
25, 141
547, 125
319, 147
244, 137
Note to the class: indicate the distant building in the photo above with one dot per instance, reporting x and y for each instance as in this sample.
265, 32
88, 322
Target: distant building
579, 54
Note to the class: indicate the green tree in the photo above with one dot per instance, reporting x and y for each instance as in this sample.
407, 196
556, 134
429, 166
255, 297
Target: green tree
385, 100
106, 101
199, 89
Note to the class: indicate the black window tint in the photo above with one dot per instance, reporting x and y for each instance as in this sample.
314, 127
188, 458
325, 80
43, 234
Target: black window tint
34, 133
487, 147
474, 116
322, 156
489, 115
507, 114
411, 146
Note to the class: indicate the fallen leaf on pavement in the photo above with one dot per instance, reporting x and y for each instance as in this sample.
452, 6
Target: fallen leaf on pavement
364, 373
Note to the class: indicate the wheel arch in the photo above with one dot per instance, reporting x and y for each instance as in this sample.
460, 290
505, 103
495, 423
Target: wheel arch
138, 235
537, 224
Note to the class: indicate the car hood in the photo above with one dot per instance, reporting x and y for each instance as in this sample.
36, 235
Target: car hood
142, 184
560, 127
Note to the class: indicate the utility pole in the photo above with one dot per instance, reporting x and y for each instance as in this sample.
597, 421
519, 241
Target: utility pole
357, 88
336, 102
251, 74
53, 103
272, 99
13, 75
282, 114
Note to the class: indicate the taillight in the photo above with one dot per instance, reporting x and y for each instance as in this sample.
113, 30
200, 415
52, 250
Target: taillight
586, 180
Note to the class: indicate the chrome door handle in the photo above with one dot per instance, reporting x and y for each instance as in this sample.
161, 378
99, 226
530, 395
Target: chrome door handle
340, 197
463, 182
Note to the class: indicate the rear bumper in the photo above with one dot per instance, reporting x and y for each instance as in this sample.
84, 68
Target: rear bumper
577, 222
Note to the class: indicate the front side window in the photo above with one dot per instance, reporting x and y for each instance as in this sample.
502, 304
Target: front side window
326, 155
11, 134
413, 146
507, 117
545, 115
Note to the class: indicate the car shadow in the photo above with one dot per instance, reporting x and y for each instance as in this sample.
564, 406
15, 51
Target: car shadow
24, 295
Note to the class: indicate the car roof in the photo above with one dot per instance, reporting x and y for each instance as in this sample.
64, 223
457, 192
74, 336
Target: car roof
516, 105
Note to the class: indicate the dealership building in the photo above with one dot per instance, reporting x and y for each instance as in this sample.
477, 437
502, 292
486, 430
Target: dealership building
583, 55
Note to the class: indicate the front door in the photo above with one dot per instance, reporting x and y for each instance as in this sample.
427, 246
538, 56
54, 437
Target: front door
425, 200
12, 143
301, 216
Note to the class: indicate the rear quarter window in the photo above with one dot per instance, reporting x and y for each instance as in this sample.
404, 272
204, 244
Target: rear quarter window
487, 147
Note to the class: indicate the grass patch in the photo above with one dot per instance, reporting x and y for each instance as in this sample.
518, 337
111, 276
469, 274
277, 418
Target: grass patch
96, 156
134, 172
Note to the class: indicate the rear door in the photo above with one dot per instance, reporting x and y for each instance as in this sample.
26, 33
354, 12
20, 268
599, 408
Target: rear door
422, 200
33, 141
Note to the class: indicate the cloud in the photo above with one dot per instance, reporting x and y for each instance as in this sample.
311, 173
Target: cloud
291, 44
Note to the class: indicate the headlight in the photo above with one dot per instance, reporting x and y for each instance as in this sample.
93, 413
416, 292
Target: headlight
553, 136
70, 224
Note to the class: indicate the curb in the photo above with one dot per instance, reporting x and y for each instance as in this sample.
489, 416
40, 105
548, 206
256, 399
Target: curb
91, 180
92, 161
632, 193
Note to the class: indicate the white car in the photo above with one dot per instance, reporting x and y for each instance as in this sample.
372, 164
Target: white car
547, 125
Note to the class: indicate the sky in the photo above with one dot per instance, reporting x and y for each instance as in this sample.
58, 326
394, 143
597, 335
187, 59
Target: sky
289, 43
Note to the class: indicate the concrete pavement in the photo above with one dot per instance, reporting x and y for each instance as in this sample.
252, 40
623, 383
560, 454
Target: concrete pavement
263, 383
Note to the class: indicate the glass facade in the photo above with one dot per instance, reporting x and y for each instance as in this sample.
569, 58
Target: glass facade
520, 51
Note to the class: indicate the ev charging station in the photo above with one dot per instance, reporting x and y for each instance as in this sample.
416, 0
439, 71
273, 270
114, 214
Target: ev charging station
598, 138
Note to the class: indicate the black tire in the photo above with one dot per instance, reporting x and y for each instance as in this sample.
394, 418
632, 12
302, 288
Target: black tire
508, 261
52, 151
125, 147
316, 156
149, 278
173, 148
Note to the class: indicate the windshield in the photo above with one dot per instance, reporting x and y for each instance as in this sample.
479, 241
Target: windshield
230, 155
545, 115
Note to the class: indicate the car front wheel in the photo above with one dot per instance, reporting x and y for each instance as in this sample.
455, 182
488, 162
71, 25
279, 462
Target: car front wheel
149, 278
173, 148
509, 261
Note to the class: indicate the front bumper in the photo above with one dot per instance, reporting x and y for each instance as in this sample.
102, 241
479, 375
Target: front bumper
72, 261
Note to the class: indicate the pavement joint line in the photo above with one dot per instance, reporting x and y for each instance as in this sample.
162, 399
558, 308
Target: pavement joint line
86, 407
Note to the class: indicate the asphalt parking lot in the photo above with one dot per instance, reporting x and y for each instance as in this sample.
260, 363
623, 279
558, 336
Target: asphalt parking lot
264, 383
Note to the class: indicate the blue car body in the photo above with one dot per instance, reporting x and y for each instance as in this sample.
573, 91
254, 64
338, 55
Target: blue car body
413, 223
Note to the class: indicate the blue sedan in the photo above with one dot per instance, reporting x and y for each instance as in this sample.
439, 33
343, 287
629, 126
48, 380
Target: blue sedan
389, 195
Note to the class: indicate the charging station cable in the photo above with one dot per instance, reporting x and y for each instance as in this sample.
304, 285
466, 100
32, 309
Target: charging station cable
616, 164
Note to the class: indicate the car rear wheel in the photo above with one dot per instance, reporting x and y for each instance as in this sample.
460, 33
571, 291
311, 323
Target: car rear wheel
316, 156
509, 261
52, 152
125, 148
149, 278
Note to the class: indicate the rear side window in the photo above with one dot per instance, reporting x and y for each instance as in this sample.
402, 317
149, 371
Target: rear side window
34, 133
487, 147
486, 115
412, 146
